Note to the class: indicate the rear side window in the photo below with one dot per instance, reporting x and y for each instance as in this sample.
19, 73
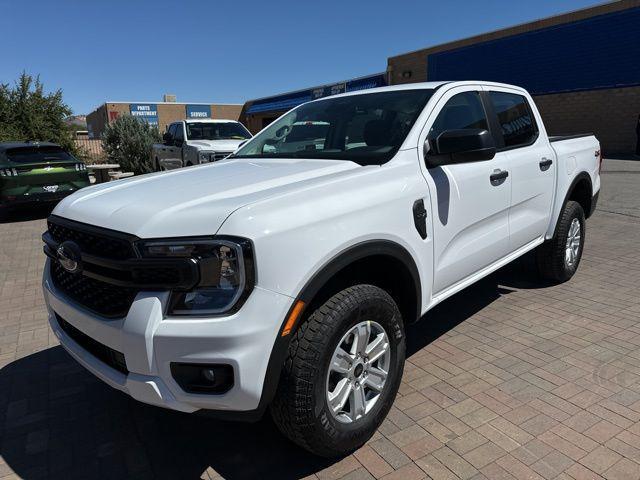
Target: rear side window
463, 110
515, 118
37, 154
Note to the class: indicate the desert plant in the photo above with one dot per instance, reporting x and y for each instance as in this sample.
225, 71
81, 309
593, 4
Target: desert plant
128, 141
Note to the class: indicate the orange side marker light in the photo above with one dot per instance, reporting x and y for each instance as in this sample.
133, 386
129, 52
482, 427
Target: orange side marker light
293, 318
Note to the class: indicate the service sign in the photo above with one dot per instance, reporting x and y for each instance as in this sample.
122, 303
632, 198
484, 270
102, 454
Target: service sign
198, 111
147, 112
328, 90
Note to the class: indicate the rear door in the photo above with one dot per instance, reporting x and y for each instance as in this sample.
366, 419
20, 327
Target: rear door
531, 163
471, 225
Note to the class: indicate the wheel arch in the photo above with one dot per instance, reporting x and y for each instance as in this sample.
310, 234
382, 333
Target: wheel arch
581, 190
353, 264
368, 262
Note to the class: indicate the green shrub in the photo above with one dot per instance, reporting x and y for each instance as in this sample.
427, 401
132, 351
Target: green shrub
128, 141
27, 112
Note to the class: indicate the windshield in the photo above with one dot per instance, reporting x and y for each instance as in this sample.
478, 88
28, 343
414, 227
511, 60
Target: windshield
38, 154
216, 131
366, 128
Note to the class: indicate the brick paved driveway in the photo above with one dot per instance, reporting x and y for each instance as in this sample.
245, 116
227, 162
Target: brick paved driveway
508, 379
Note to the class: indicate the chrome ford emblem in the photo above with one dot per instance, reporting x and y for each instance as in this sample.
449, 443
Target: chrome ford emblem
51, 188
69, 257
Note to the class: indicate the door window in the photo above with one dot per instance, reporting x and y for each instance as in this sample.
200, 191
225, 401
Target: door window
178, 138
171, 133
463, 110
515, 118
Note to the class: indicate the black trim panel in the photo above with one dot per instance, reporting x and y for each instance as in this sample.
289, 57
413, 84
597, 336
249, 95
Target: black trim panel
559, 138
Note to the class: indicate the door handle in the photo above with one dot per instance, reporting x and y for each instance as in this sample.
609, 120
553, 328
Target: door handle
498, 177
545, 163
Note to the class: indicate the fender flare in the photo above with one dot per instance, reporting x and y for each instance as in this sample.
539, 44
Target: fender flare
578, 178
357, 252
312, 287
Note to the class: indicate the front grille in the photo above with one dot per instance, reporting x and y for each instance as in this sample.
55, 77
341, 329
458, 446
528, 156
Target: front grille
111, 273
215, 156
111, 357
100, 243
100, 297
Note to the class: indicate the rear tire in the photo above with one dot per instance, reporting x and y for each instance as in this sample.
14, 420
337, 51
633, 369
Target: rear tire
558, 259
326, 401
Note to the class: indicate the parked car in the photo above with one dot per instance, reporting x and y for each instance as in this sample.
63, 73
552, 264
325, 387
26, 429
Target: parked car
38, 172
287, 278
192, 142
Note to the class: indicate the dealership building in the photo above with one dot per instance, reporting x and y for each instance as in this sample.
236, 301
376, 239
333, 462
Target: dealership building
582, 67
257, 114
159, 114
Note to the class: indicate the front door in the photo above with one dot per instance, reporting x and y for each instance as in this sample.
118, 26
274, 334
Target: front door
532, 166
470, 201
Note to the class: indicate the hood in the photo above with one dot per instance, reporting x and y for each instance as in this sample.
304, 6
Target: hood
215, 145
194, 200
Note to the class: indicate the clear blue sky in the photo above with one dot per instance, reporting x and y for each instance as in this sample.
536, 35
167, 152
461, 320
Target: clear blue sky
222, 51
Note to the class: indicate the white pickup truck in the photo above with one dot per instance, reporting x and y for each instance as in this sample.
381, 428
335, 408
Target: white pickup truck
192, 142
285, 277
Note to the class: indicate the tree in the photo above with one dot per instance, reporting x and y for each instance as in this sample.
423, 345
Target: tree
129, 142
27, 112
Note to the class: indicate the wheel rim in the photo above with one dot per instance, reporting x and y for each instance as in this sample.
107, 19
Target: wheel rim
572, 248
358, 371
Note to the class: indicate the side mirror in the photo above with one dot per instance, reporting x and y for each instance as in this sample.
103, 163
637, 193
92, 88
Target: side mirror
459, 146
166, 137
178, 142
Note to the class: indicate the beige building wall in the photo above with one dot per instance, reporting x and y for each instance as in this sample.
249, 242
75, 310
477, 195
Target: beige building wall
611, 114
97, 121
227, 112
168, 113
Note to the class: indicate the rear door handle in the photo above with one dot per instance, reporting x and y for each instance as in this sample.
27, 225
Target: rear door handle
498, 177
545, 163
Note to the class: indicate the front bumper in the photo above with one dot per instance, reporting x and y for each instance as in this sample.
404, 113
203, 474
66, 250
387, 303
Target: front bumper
150, 342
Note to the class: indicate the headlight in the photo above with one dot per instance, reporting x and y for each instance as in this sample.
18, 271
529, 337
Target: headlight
226, 273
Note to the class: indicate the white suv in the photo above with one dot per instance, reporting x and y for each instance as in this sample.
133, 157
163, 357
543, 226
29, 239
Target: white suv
285, 277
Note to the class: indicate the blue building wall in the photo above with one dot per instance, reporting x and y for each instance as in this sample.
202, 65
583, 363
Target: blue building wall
598, 52
291, 100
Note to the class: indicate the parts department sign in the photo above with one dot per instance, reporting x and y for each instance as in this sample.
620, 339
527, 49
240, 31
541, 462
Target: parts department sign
198, 111
147, 112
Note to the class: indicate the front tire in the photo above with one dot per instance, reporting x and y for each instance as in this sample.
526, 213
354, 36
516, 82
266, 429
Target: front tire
343, 371
558, 259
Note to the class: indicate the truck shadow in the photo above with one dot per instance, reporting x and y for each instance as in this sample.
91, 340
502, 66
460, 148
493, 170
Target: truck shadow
58, 421
25, 213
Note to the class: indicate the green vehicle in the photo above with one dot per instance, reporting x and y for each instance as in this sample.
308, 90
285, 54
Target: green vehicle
38, 172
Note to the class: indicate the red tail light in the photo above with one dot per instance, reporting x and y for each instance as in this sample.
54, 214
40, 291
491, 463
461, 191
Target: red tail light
599, 155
